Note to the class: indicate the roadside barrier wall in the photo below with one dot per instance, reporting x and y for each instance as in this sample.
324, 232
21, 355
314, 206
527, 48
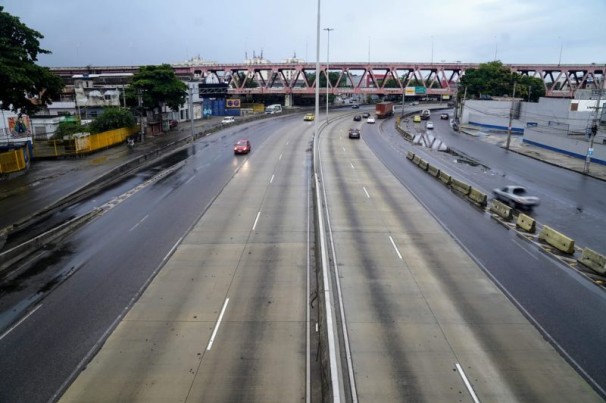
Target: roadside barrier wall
593, 260
526, 223
502, 210
460, 186
477, 197
557, 240
589, 258
82, 145
12, 161
433, 171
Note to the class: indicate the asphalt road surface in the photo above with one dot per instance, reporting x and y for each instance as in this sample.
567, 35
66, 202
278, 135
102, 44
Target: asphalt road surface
422, 315
223, 243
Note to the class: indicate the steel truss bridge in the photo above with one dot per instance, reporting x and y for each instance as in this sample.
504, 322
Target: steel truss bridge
435, 79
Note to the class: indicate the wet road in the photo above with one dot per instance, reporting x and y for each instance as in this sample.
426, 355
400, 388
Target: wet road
101, 269
572, 203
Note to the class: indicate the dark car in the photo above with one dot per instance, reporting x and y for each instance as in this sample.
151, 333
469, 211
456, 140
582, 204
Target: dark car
365, 114
444, 116
354, 133
355, 106
357, 118
242, 147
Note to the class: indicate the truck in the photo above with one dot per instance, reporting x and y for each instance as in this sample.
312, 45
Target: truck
425, 114
384, 110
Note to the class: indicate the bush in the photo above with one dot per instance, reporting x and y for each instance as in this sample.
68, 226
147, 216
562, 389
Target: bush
69, 127
112, 118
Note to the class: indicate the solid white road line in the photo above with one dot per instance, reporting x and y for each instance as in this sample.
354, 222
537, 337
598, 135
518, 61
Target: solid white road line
256, 220
395, 247
467, 384
366, 191
212, 338
172, 249
20, 322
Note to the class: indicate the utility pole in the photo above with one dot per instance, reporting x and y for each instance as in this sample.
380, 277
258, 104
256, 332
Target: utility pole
513, 99
593, 132
191, 108
327, 63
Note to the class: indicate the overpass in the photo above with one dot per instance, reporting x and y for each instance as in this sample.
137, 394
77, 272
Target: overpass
397, 78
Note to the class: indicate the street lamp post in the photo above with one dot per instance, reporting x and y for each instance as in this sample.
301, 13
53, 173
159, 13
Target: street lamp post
327, 63
593, 132
3, 121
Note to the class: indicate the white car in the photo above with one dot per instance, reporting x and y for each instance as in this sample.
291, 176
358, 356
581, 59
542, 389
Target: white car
228, 119
370, 120
516, 196
429, 125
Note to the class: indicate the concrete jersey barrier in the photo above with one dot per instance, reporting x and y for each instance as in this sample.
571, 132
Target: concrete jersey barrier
460, 186
477, 197
526, 223
559, 241
593, 260
501, 210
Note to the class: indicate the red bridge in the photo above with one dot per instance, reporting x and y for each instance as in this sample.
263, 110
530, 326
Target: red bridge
362, 78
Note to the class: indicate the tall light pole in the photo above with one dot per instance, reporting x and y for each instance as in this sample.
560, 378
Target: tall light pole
3, 121
317, 83
327, 63
593, 131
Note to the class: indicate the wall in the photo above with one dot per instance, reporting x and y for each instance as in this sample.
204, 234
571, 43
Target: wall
548, 112
575, 146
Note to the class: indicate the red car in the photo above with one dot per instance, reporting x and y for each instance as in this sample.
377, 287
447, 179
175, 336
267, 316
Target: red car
242, 147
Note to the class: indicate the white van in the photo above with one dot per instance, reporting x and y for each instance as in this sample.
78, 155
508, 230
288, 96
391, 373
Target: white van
271, 109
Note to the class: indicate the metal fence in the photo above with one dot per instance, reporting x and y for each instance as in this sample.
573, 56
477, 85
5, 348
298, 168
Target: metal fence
13, 161
81, 145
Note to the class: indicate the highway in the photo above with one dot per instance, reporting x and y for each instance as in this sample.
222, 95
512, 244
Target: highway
198, 284
102, 270
572, 203
422, 314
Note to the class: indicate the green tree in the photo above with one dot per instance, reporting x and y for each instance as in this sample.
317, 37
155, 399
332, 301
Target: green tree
495, 79
158, 86
112, 118
69, 127
23, 84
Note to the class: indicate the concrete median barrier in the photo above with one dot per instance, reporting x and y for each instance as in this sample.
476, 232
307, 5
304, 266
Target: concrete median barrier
460, 187
593, 260
433, 171
410, 155
526, 223
445, 178
559, 241
477, 197
501, 210
423, 164
416, 159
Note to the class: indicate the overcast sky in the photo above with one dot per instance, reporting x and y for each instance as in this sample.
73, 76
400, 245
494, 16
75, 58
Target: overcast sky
139, 32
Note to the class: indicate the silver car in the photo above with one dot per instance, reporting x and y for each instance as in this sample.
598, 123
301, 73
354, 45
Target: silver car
516, 196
